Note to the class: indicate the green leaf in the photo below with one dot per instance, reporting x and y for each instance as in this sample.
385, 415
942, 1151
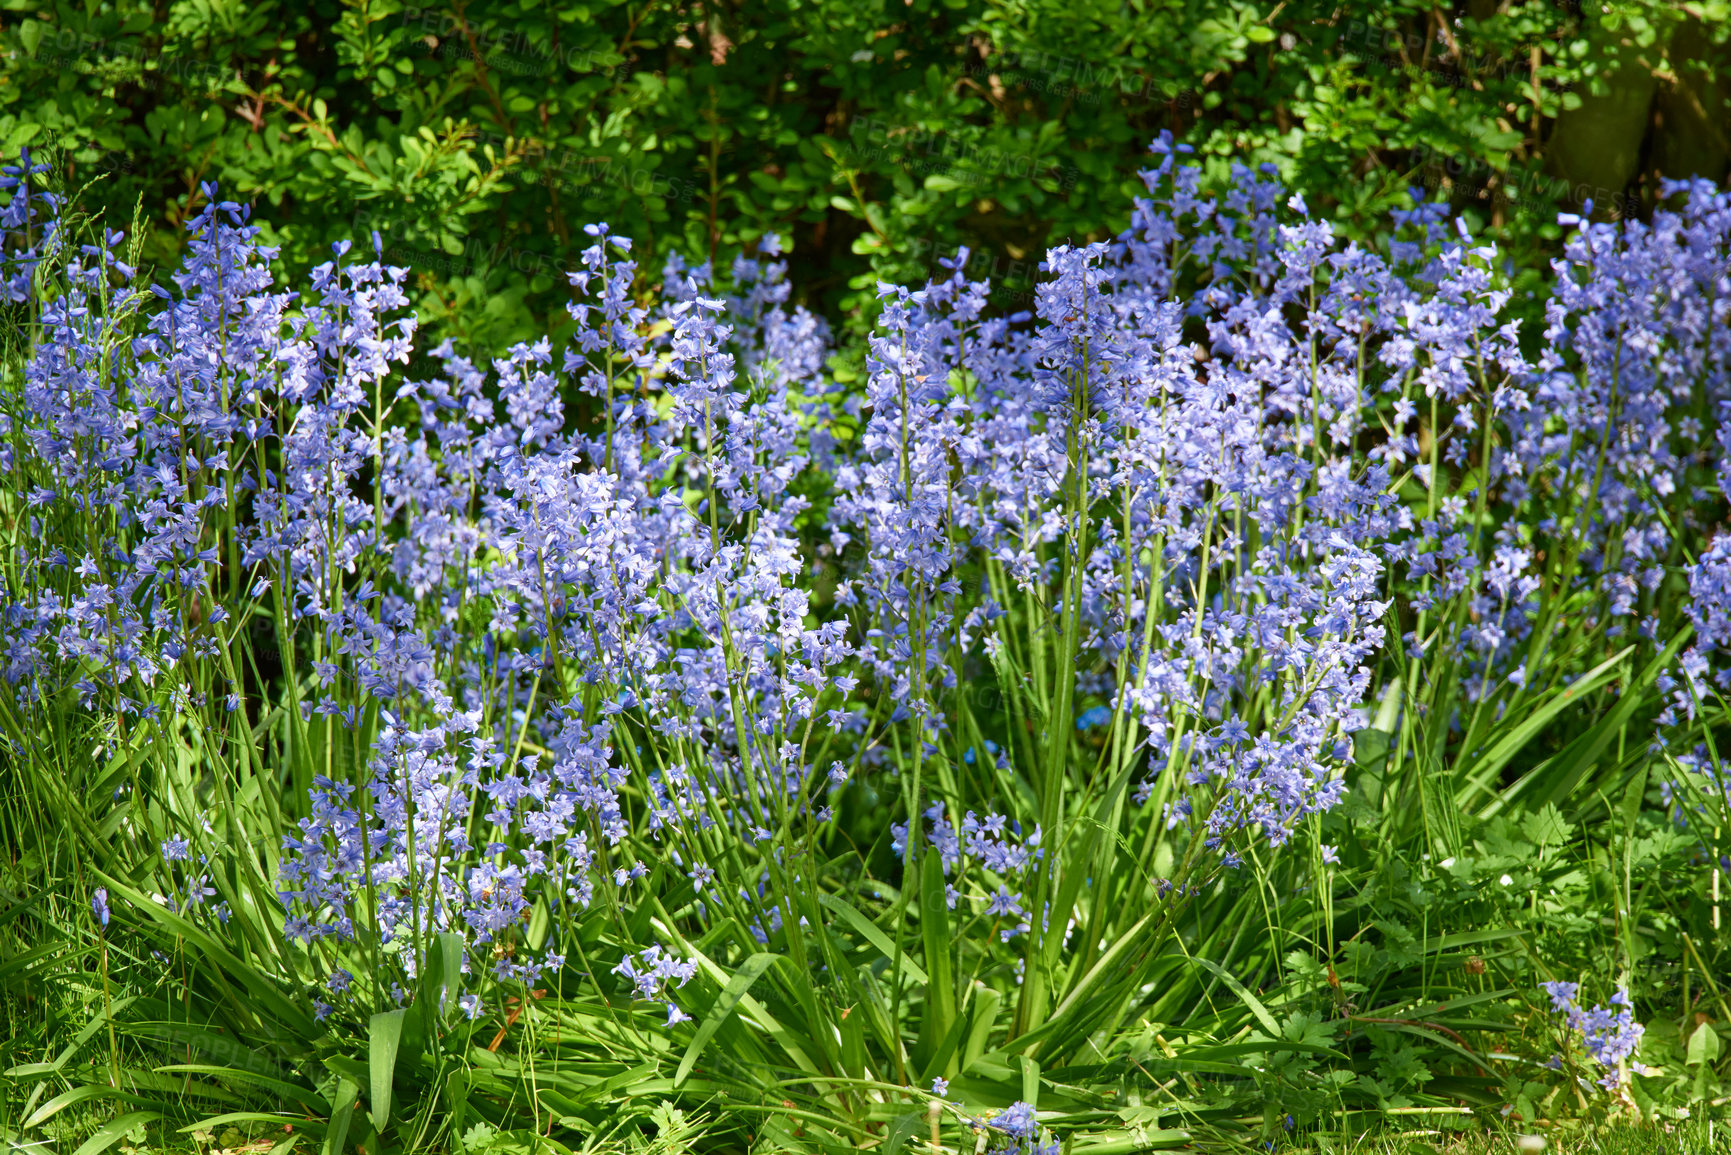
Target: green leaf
540, 922
1243, 992
1030, 1080
940, 1009
1581, 755
444, 969
946, 1047
1079, 994
85, 1034
383, 1035
900, 1132
987, 1000
873, 935
1545, 826
1388, 713
1703, 1046
77, 1094
341, 1116
269, 1118
114, 1130
1486, 768
233, 1075
724, 1006
1633, 796
261, 988
789, 1042
29, 958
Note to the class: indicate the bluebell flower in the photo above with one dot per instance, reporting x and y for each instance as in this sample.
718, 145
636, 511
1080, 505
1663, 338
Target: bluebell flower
1093, 716
1610, 1034
1017, 1121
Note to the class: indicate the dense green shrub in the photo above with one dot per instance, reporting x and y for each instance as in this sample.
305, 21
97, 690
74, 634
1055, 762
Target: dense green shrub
875, 135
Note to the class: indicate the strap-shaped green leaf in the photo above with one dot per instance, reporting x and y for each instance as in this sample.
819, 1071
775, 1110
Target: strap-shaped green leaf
1486, 768
115, 1130
338, 1132
383, 1034
724, 1006
78, 1094
446, 971
940, 1009
1243, 992
870, 932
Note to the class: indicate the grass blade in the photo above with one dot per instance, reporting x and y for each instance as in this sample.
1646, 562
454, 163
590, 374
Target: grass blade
724, 1006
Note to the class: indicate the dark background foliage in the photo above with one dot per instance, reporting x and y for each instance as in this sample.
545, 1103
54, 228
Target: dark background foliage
875, 135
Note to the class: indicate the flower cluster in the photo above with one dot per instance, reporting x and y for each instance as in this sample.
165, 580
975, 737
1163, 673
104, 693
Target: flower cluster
31, 222
1014, 1131
1610, 1034
651, 972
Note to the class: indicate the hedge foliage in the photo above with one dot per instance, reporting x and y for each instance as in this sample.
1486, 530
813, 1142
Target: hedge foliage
875, 136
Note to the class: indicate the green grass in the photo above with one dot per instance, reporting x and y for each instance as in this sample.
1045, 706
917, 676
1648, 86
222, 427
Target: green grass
1688, 1137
